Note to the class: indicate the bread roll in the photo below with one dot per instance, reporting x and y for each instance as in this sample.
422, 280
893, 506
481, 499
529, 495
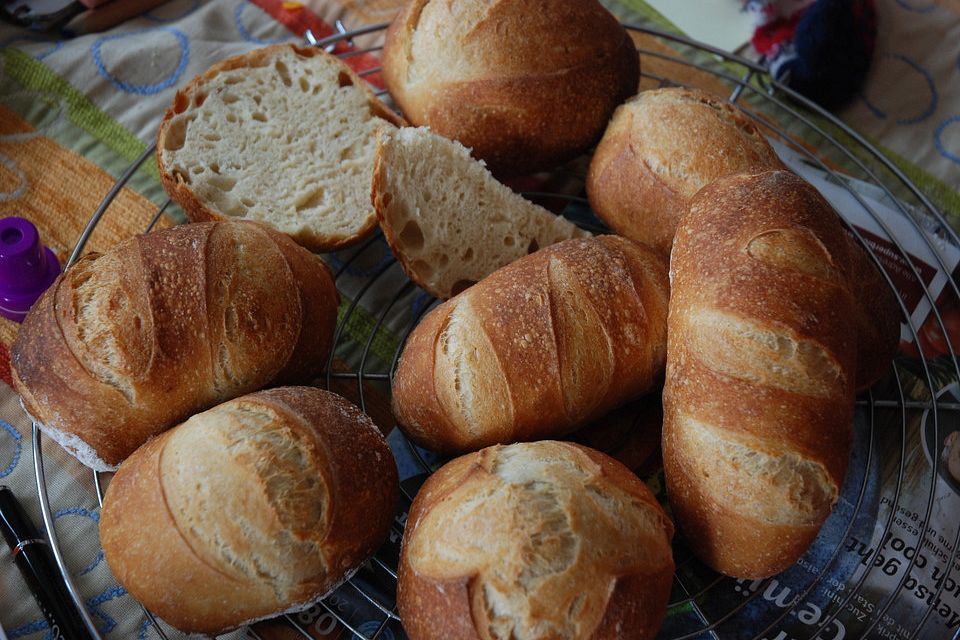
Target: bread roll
448, 221
281, 134
258, 506
662, 147
128, 343
761, 363
536, 349
536, 541
525, 85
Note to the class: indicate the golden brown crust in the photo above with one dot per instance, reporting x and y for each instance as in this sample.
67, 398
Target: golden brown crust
414, 398
726, 540
444, 610
443, 593
128, 343
138, 486
170, 569
537, 348
660, 148
758, 401
195, 208
532, 88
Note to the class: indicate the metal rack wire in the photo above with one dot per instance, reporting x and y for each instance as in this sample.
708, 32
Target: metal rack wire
695, 588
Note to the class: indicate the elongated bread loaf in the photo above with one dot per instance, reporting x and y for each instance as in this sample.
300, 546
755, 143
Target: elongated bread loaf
761, 363
281, 134
538, 541
128, 343
525, 85
258, 506
536, 349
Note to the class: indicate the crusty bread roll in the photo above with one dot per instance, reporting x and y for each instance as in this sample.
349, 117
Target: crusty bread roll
761, 363
536, 541
663, 146
525, 85
128, 343
258, 506
283, 135
536, 349
448, 221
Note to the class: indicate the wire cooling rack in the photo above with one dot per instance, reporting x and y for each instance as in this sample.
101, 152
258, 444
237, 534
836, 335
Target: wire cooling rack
831, 599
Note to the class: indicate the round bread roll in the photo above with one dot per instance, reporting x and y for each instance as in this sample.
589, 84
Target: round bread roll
525, 85
256, 507
126, 344
540, 540
661, 148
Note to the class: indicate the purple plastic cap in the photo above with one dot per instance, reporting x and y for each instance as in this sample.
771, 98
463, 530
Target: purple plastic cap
27, 267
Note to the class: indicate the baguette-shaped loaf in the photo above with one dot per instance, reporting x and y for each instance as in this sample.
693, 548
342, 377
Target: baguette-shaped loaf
761, 362
539, 541
258, 506
537, 348
128, 343
525, 85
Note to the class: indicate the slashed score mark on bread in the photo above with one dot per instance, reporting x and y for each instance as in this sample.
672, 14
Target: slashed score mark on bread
258, 506
536, 349
535, 541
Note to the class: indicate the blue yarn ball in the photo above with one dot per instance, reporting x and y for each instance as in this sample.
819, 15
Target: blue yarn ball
834, 44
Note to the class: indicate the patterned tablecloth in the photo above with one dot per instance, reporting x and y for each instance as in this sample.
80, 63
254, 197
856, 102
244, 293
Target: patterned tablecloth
75, 113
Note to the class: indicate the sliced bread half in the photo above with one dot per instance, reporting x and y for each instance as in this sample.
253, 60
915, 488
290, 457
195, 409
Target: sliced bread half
448, 220
282, 134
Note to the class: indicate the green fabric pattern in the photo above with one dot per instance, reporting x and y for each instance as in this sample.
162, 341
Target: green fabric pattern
944, 197
90, 133
358, 328
638, 11
35, 75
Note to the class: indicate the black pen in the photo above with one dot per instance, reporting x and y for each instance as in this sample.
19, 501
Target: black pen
32, 555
